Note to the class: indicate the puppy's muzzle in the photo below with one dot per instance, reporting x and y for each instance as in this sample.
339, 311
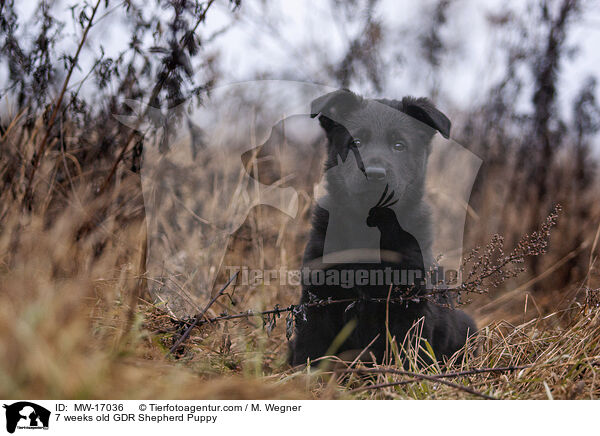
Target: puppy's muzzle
375, 174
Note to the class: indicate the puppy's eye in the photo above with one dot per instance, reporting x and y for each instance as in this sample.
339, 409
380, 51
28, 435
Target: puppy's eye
399, 146
356, 143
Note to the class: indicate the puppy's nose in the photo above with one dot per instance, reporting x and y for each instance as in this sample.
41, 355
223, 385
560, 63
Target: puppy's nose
375, 173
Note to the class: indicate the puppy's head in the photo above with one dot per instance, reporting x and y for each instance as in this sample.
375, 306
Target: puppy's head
387, 141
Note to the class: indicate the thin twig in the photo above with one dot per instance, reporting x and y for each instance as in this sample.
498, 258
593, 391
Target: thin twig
294, 307
419, 376
275, 311
198, 317
444, 375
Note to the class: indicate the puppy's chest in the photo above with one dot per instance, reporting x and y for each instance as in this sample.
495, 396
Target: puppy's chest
349, 239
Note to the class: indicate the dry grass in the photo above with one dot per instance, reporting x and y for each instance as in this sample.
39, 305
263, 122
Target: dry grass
79, 312
74, 324
71, 330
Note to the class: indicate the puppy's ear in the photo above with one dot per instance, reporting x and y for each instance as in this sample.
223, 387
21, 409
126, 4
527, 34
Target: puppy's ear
423, 110
263, 163
332, 108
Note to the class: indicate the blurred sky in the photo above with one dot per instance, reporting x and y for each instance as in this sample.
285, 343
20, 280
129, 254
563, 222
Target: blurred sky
465, 75
279, 38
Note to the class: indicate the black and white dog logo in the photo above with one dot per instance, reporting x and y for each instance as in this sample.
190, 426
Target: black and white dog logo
26, 415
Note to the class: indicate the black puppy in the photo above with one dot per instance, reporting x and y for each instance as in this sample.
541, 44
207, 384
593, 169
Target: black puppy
373, 220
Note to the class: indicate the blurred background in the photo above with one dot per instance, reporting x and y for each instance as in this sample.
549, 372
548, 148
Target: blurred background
518, 79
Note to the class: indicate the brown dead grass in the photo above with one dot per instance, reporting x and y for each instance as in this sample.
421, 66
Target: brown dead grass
74, 326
